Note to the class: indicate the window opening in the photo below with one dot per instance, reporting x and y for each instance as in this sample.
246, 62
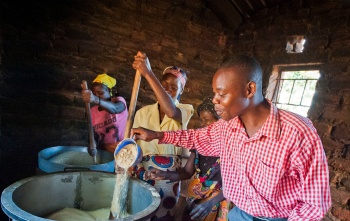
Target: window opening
295, 44
295, 89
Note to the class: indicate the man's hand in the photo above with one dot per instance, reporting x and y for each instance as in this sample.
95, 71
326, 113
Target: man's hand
145, 134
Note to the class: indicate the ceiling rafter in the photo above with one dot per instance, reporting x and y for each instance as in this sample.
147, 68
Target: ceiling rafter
263, 2
243, 13
234, 12
250, 5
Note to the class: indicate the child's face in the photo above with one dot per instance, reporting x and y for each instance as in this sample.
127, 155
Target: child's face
207, 118
101, 91
172, 85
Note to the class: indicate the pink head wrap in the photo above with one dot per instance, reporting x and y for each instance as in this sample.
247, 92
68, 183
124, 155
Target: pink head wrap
177, 72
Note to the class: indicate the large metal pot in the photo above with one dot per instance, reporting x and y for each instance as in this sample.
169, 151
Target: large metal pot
36, 197
68, 158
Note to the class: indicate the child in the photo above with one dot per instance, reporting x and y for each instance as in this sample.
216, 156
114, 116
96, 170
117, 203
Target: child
109, 115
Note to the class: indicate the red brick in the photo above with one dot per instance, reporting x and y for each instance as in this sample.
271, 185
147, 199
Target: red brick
194, 28
342, 164
346, 100
341, 213
187, 48
345, 181
149, 10
138, 35
163, 5
150, 24
332, 148
340, 196
152, 47
169, 42
341, 133
336, 115
127, 5
322, 128
89, 48
121, 28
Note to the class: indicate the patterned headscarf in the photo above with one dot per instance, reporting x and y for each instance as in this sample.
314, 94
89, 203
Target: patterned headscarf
207, 105
177, 72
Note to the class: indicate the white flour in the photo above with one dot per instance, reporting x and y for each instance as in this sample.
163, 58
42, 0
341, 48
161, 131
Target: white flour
126, 156
125, 159
72, 214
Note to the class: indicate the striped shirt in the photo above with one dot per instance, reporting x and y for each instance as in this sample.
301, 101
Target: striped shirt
280, 172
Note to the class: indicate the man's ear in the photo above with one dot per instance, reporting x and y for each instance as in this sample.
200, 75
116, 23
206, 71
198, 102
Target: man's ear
251, 89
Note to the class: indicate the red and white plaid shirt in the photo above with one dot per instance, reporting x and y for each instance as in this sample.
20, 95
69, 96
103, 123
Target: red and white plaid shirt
281, 171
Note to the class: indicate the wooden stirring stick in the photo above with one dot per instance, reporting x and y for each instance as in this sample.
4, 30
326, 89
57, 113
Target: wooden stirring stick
132, 106
92, 143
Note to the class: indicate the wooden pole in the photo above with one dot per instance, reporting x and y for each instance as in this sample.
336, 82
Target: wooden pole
132, 106
92, 143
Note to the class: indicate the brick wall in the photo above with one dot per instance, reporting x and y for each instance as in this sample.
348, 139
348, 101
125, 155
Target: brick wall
326, 27
49, 47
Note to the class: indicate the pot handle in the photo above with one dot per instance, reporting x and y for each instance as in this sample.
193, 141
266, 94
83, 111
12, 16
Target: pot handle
70, 169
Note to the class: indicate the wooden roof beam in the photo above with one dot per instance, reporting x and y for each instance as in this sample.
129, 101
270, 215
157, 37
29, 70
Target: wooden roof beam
263, 2
244, 14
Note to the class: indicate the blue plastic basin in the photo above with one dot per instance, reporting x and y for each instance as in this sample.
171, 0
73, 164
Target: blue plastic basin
73, 158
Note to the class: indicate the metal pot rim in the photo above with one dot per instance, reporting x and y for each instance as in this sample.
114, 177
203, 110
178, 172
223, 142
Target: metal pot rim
16, 213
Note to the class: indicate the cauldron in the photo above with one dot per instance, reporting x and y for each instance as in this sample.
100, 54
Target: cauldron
35, 197
73, 158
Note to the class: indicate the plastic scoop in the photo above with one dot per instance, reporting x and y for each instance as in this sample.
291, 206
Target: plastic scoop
127, 153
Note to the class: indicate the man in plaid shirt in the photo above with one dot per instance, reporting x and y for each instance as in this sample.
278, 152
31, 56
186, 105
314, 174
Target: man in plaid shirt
272, 161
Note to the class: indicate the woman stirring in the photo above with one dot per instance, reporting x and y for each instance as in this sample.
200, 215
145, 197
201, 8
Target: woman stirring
166, 114
109, 115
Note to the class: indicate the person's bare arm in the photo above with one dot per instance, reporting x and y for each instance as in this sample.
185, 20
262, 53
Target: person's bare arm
183, 173
165, 101
109, 106
145, 134
202, 210
188, 170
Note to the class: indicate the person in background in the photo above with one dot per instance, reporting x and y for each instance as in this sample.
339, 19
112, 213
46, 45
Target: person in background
166, 114
108, 115
205, 199
272, 161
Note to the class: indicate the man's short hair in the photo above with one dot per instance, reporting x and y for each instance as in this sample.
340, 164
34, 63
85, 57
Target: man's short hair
246, 65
